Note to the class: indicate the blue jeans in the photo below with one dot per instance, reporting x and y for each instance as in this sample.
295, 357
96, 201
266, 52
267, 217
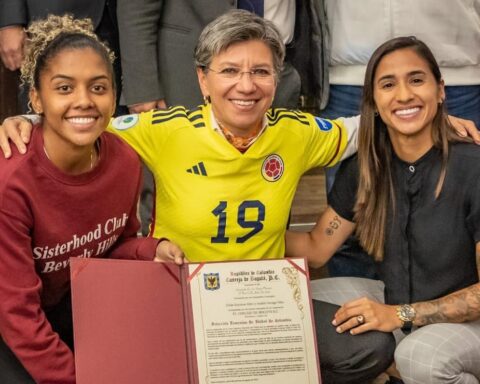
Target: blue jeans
464, 101
344, 101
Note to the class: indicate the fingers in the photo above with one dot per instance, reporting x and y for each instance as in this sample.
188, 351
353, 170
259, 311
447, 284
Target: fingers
360, 319
20, 135
11, 46
355, 325
17, 130
177, 255
142, 107
472, 130
25, 129
349, 310
169, 252
465, 128
11, 59
161, 104
353, 317
4, 144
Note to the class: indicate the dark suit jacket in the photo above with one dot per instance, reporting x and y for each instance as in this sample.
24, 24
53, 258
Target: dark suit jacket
157, 40
22, 12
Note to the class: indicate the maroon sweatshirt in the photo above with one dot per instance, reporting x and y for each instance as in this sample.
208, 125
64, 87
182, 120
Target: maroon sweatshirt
46, 217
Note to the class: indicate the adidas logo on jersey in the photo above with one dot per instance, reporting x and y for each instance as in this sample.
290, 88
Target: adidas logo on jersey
198, 169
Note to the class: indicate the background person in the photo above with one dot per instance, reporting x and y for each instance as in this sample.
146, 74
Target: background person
412, 197
63, 199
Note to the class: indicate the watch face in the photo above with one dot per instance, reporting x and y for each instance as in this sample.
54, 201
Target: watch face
407, 312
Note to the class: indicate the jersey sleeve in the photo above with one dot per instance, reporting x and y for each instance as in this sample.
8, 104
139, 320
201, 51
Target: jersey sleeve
23, 323
143, 132
342, 197
326, 141
351, 125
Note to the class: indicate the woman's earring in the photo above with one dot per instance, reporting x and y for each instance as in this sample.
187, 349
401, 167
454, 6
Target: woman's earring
376, 113
206, 99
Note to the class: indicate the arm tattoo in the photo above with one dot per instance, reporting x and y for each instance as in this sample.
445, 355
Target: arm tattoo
333, 225
457, 307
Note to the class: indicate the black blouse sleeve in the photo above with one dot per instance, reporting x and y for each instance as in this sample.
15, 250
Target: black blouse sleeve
344, 191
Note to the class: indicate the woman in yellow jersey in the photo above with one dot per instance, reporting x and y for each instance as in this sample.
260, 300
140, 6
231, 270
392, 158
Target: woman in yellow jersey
226, 172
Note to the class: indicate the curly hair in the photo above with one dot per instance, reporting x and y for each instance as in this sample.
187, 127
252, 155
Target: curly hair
47, 37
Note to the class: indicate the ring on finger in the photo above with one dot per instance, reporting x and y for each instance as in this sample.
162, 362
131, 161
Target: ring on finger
360, 319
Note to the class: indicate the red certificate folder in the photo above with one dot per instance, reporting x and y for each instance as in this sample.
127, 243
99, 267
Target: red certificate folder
129, 326
134, 320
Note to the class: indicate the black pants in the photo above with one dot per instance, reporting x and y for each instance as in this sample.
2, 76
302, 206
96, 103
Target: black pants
346, 359
60, 318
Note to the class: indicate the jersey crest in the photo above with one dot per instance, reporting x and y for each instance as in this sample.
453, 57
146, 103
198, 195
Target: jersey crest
272, 168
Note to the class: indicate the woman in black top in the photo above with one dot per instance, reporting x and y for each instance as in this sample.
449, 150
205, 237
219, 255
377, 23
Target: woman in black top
412, 195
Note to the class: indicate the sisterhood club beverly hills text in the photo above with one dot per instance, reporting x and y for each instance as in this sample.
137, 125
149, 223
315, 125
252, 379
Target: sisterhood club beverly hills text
90, 244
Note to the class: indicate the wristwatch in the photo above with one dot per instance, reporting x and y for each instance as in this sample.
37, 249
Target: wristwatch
406, 313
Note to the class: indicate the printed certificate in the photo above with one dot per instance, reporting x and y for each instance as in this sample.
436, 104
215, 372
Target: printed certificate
252, 322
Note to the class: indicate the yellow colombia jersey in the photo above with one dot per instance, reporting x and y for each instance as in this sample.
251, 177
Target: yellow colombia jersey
212, 200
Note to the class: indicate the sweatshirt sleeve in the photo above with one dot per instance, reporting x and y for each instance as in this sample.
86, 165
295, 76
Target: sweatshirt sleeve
23, 323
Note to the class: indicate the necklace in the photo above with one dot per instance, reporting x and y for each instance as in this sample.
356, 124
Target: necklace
91, 155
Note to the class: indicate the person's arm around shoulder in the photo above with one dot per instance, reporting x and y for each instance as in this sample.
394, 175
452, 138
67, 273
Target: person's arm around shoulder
320, 244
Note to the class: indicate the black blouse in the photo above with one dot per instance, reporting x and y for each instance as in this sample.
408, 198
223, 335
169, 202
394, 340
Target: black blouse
430, 243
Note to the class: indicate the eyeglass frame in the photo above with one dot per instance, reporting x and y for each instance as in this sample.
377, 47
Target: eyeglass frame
238, 76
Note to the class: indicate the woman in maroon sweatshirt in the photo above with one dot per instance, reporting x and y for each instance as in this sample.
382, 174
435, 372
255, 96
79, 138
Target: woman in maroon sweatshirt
73, 195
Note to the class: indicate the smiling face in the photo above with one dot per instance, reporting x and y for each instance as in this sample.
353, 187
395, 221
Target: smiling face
76, 97
406, 96
240, 104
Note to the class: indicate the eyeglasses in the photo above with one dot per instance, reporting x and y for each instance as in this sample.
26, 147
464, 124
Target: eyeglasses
232, 74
